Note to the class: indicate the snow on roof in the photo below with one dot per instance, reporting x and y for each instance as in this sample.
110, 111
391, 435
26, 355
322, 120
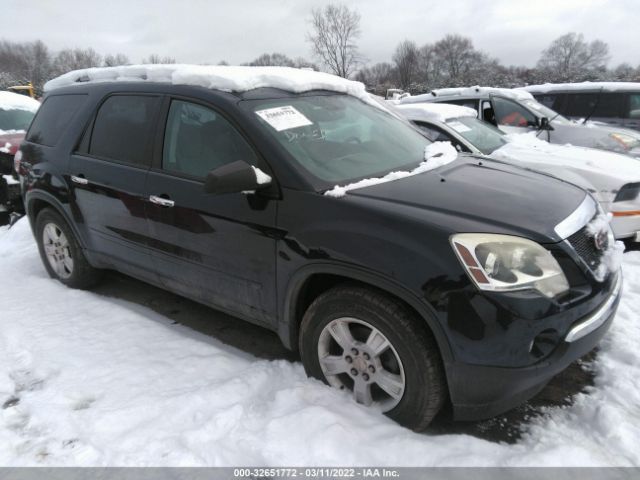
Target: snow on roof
440, 112
218, 77
583, 86
476, 91
15, 101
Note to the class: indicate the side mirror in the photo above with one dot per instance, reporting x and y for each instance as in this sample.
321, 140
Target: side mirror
544, 124
236, 177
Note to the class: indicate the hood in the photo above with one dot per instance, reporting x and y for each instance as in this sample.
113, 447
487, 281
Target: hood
481, 195
10, 141
592, 135
601, 172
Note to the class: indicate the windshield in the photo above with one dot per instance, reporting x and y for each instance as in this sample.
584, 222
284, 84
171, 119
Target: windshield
482, 135
15, 119
544, 111
338, 139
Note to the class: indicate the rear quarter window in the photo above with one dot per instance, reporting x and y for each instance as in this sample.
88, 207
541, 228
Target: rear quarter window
53, 118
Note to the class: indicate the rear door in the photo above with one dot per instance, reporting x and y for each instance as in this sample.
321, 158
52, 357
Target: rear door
218, 249
108, 173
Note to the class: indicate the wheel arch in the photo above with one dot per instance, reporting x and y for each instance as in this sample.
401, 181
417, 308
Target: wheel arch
38, 200
310, 281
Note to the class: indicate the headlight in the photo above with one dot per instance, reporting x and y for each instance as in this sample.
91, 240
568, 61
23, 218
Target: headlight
507, 263
627, 141
630, 191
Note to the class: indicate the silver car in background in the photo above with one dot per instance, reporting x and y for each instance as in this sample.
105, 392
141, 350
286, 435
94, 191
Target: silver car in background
516, 111
613, 179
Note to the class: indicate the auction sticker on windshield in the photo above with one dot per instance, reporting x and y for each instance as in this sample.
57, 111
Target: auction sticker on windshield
284, 118
459, 127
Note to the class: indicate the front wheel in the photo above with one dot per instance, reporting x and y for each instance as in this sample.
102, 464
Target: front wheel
372, 346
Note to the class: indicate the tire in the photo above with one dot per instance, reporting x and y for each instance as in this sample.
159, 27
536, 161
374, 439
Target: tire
56, 239
414, 391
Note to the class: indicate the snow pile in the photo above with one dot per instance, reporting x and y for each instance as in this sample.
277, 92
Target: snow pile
583, 86
6, 148
435, 155
612, 256
87, 380
14, 101
439, 112
219, 77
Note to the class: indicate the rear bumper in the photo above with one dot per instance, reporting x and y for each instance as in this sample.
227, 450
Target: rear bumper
626, 226
480, 392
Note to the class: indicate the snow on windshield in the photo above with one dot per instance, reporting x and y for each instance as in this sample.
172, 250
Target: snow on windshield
440, 112
435, 155
14, 101
219, 77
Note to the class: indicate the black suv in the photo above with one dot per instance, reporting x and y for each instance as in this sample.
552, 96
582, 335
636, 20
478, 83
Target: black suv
471, 284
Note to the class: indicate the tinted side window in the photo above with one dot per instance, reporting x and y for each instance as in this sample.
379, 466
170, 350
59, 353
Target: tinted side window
123, 129
512, 114
547, 99
432, 133
595, 104
198, 139
53, 117
634, 106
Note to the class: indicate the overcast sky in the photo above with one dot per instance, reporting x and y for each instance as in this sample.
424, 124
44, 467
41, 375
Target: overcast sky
201, 31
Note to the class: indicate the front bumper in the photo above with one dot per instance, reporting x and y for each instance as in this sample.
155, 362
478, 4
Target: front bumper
479, 392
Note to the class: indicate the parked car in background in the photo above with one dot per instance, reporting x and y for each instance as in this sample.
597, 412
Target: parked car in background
16, 113
407, 275
613, 179
516, 111
613, 103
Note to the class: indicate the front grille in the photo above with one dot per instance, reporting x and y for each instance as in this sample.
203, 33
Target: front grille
585, 247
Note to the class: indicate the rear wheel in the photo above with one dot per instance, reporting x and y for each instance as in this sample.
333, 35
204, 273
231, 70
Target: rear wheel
364, 342
61, 253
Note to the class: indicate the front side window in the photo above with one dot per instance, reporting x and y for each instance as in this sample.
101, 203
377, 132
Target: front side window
339, 139
511, 114
123, 129
198, 139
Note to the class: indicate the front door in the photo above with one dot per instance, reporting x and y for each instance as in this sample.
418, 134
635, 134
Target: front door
218, 249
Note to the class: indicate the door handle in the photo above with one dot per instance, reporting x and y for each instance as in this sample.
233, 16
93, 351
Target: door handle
79, 179
163, 202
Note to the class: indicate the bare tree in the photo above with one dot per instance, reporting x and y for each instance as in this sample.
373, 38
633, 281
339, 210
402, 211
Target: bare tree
406, 59
25, 62
273, 59
116, 60
335, 30
75, 59
457, 57
154, 58
571, 58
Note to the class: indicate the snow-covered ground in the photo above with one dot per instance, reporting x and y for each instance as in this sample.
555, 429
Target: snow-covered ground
91, 380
